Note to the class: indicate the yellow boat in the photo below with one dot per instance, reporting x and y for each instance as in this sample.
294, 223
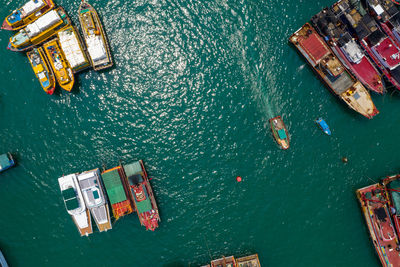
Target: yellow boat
60, 65
28, 13
39, 31
43, 72
94, 36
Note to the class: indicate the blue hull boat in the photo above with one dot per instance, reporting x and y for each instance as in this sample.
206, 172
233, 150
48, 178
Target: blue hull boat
3, 262
323, 125
6, 161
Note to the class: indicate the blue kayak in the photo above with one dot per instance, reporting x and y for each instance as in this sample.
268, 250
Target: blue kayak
323, 125
6, 161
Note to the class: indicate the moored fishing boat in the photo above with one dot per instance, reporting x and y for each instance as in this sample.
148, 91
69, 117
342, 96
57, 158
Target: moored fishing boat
248, 261
6, 161
117, 194
336, 34
323, 125
59, 64
373, 203
142, 195
74, 203
388, 16
280, 132
39, 31
380, 47
42, 70
94, 36
95, 198
72, 48
224, 261
392, 185
28, 13
332, 72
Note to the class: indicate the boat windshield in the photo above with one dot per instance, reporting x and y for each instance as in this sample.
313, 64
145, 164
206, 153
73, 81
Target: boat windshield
70, 199
20, 38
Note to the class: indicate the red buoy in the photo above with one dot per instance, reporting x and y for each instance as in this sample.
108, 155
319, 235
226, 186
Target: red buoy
238, 179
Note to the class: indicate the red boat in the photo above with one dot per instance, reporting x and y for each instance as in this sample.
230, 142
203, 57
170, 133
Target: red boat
328, 24
388, 16
392, 185
141, 195
380, 47
374, 207
332, 72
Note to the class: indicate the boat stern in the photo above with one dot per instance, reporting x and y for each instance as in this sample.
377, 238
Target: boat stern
50, 91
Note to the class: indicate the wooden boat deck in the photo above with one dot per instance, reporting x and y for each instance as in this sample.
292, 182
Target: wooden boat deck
248, 261
87, 230
224, 262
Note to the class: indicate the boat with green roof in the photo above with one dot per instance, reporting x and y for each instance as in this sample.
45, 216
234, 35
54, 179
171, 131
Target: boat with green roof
6, 161
142, 195
392, 185
280, 132
116, 191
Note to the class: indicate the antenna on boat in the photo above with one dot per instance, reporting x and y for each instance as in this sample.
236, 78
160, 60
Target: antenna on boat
373, 180
208, 249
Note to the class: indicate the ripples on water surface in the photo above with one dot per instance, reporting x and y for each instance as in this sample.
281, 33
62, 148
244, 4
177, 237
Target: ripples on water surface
193, 86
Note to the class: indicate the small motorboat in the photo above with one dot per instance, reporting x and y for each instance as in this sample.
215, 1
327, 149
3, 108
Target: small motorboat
280, 132
6, 161
323, 125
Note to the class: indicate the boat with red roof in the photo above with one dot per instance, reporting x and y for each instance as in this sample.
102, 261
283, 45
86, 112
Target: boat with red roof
335, 32
373, 203
379, 46
332, 72
142, 195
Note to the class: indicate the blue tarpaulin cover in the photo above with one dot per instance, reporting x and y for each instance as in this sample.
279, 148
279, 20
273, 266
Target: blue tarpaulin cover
5, 162
323, 124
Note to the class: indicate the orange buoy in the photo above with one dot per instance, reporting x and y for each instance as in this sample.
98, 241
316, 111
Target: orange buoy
238, 179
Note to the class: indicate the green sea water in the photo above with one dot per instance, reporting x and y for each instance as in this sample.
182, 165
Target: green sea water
191, 92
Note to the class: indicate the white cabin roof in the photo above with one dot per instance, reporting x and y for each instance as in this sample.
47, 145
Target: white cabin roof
32, 6
42, 23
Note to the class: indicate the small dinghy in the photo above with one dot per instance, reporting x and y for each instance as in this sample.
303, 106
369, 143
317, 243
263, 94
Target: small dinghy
280, 132
6, 161
323, 125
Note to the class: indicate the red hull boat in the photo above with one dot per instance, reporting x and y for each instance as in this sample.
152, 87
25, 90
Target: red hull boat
373, 203
380, 47
328, 24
